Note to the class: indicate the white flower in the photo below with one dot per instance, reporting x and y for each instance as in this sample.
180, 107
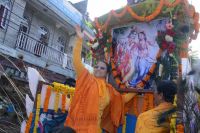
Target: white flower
168, 38
95, 45
105, 49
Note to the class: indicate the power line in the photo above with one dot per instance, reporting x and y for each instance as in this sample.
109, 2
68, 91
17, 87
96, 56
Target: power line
32, 25
51, 16
19, 20
10, 22
25, 19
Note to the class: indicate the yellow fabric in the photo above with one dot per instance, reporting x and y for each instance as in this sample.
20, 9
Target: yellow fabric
173, 119
104, 98
37, 112
147, 121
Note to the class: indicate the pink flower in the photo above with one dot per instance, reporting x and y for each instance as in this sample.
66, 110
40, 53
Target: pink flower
91, 41
170, 32
100, 35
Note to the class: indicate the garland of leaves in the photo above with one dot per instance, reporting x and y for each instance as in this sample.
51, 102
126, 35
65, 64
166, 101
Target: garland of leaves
129, 10
173, 43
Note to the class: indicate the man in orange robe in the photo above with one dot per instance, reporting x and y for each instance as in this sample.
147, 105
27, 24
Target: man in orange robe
96, 104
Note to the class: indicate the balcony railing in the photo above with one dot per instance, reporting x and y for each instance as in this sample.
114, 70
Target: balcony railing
39, 49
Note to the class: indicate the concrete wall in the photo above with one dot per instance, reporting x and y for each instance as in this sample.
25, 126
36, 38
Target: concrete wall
38, 19
16, 17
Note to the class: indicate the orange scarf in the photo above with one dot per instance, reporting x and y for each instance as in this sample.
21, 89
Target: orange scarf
84, 109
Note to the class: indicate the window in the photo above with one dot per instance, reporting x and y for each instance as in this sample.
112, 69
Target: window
61, 43
24, 26
17, 73
44, 35
14, 72
4, 13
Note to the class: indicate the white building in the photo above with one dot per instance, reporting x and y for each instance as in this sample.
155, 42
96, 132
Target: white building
42, 31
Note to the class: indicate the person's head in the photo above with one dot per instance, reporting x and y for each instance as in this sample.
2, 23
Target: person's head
142, 36
132, 34
165, 92
101, 69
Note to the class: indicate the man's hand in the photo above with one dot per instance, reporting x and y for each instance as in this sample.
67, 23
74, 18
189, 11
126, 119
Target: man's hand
78, 32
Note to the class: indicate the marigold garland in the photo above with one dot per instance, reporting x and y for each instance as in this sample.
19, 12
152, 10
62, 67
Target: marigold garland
156, 12
134, 15
65, 90
169, 4
28, 124
58, 88
63, 103
37, 114
56, 102
119, 15
140, 84
135, 107
128, 9
179, 128
151, 99
147, 103
47, 97
173, 119
71, 96
191, 12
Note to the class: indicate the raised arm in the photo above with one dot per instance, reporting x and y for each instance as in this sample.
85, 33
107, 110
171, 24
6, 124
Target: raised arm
77, 62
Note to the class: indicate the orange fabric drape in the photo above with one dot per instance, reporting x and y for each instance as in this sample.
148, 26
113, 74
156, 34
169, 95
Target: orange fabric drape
47, 97
84, 109
83, 114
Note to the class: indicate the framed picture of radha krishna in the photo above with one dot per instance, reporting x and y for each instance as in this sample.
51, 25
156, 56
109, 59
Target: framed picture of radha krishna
135, 50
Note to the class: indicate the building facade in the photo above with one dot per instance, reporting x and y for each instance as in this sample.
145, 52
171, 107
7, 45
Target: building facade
41, 34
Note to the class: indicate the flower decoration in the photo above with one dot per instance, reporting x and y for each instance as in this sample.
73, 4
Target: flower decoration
100, 45
168, 38
171, 47
164, 44
168, 41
